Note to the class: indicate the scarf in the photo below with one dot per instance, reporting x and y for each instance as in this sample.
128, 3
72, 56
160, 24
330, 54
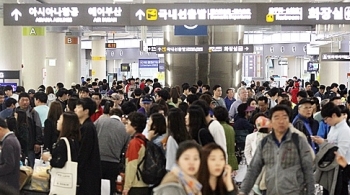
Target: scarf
190, 184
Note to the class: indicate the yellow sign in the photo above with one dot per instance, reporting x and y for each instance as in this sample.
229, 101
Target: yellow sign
161, 76
151, 14
270, 18
96, 58
163, 49
93, 73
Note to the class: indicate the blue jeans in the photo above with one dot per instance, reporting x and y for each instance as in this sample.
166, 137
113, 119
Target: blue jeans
31, 158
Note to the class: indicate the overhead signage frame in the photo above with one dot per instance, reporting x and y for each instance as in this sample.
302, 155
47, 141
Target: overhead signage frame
162, 49
335, 56
66, 14
176, 14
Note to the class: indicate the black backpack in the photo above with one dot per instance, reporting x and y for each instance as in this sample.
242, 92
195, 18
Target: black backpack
153, 164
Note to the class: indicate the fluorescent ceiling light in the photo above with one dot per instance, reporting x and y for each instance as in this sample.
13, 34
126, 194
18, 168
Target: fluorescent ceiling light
117, 1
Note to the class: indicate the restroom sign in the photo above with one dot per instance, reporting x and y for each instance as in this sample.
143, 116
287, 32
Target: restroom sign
71, 40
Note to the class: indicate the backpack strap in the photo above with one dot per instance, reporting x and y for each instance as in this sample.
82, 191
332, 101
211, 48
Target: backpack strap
295, 139
199, 137
145, 140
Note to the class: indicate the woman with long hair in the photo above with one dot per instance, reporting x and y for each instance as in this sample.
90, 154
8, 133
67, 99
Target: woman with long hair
175, 96
215, 174
50, 129
51, 97
69, 127
177, 134
156, 126
181, 180
197, 127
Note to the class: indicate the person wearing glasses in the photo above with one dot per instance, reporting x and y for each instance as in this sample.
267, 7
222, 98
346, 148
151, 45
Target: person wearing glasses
304, 121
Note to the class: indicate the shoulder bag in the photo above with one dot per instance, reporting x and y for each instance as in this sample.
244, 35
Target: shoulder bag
64, 180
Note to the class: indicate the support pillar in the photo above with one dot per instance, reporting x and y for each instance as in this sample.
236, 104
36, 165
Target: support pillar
10, 47
72, 60
33, 56
98, 58
225, 69
179, 68
55, 56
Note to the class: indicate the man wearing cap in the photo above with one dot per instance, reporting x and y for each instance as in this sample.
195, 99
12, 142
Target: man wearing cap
304, 121
146, 103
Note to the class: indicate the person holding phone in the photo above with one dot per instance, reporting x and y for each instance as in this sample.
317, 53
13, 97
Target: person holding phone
215, 174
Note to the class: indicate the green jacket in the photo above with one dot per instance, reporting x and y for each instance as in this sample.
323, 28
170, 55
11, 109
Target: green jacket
230, 145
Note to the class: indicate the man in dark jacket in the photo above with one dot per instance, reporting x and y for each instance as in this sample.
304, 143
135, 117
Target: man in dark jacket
9, 157
35, 138
89, 163
304, 121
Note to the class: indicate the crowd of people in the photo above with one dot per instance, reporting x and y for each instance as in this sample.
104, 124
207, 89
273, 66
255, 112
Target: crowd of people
283, 134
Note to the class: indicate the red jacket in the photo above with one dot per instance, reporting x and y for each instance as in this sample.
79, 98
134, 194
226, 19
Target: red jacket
97, 114
294, 93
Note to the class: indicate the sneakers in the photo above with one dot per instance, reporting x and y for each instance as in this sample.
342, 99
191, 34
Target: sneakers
256, 190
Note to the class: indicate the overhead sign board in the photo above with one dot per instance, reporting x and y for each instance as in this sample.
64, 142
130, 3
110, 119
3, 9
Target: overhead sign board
176, 14
111, 45
335, 56
161, 49
304, 13
148, 63
152, 48
66, 14
193, 14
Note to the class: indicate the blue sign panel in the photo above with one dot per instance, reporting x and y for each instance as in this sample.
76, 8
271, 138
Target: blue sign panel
161, 67
148, 63
191, 30
14, 85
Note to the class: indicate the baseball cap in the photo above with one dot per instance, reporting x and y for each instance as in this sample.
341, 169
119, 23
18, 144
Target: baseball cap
262, 122
306, 100
147, 99
250, 108
31, 91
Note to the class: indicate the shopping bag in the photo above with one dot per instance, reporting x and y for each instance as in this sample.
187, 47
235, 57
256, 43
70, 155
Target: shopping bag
241, 172
105, 187
40, 177
25, 174
64, 180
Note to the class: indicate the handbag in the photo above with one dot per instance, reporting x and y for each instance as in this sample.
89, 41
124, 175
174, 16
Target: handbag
64, 180
242, 171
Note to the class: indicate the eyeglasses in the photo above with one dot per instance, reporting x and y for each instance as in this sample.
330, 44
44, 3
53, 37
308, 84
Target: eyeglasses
125, 116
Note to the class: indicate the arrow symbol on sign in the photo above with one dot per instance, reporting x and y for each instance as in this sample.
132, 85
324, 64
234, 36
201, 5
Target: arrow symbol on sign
246, 48
140, 14
16, 13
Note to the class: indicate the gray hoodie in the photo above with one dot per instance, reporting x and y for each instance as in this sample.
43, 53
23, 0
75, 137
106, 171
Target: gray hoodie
287, 173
